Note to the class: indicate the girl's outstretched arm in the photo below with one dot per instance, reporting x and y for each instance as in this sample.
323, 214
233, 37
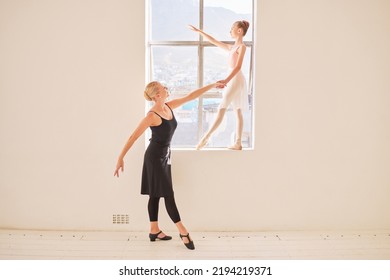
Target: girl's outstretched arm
211, 39
192, 95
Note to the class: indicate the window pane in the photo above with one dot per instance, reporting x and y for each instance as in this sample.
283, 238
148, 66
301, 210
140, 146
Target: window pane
176, 67
186, 134
215, 64
219, 15
169, 20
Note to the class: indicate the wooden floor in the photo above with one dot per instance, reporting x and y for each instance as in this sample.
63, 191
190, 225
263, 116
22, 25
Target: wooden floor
74, 245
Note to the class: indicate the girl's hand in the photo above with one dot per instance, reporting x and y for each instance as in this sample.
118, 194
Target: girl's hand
119, 165
193, 28
220, 84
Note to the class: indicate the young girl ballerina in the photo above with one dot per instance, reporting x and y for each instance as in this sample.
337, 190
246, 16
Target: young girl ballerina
235, 93
156, 173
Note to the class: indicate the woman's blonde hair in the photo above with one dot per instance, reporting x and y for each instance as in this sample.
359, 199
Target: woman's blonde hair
151, 90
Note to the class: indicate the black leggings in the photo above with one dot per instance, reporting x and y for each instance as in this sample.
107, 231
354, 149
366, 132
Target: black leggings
169, 204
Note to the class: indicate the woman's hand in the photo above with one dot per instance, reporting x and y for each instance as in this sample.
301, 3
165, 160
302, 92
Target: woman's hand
120, 165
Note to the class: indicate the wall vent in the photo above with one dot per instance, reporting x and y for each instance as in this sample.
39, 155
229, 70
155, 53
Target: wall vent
120, 219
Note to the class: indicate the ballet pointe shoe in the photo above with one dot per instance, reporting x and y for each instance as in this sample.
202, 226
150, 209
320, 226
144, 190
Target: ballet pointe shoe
190, 245
154, 236
203, 142
236, 147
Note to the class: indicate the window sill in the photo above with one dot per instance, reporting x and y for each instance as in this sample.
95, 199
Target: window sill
211, 149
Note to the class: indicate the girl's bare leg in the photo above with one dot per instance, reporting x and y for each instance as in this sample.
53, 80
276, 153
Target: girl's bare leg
217, 122
239, 128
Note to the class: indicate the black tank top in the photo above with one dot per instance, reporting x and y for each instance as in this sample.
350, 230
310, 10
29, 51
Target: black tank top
162, 134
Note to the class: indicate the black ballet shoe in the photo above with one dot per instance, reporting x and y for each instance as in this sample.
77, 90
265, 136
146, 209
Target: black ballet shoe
190, 245
154, 236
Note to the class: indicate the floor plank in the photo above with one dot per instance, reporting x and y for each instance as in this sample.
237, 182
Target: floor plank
75, 245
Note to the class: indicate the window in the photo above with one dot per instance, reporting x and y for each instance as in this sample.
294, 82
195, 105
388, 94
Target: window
181, 60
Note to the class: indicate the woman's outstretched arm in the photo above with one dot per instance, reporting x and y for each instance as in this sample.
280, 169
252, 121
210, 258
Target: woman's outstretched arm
192, 95
149, 120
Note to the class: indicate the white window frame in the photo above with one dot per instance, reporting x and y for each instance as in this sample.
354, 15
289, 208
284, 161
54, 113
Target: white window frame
201, 44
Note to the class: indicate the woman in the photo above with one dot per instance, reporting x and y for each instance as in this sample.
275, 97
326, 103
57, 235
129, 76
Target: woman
156, 173
235, 93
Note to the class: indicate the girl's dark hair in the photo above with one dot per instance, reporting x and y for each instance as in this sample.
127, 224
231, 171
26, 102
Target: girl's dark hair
243, 24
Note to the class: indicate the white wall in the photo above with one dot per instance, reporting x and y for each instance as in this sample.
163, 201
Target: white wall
71, 90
